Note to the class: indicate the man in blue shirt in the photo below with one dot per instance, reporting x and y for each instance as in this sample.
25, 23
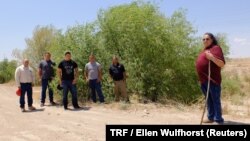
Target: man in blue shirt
46, 75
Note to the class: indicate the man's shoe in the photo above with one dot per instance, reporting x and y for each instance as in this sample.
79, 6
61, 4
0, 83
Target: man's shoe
32, 108
65, 107
77, 107
42, 105
53, 103
23, 110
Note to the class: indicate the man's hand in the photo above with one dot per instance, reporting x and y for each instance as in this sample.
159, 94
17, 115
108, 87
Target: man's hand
99, 80
40, 78
60, 82
87, 80
74, 81
110, 79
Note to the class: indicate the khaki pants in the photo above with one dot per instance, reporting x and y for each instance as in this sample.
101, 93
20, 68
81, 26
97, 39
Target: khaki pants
120, 90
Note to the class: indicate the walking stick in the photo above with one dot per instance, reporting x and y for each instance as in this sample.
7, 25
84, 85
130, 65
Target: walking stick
208, 88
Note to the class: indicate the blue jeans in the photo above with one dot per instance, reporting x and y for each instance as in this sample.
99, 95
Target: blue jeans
45, 85
96, 87
68, 86
213, 102
26, 87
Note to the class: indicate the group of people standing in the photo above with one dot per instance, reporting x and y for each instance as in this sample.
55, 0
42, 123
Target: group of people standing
68, 74
210, 59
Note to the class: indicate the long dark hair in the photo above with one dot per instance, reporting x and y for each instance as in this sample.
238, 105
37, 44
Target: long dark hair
215, 42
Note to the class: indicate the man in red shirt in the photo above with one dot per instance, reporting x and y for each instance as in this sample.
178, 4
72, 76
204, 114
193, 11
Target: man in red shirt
213, 53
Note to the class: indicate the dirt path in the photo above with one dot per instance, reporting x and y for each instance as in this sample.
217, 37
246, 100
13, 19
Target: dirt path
54, 123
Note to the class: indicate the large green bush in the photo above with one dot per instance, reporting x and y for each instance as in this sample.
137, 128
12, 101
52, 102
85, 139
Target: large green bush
158, 52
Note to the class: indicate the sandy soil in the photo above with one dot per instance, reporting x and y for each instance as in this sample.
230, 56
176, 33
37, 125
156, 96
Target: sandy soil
88, 124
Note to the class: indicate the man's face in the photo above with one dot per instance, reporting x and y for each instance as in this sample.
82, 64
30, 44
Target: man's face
91, 59
26, 63
115, 60
67, 57
47, 56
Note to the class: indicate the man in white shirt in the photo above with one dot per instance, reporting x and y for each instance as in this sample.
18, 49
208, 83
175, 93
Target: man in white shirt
25, 79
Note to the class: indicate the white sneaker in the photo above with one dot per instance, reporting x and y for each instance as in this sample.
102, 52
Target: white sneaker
22, 109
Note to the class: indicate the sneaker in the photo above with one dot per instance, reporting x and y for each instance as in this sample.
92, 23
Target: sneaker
42, 105
65, 107
207, 121
103, 102
31, 108
77, 107
53, 103
22, 109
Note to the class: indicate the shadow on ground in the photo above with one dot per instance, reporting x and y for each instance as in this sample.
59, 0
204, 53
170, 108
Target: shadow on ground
80, 109
235, 123
37, 110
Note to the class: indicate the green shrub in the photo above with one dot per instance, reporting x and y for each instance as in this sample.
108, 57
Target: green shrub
7, 70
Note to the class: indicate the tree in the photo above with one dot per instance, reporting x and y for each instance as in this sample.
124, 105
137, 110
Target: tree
42, 39
157, 50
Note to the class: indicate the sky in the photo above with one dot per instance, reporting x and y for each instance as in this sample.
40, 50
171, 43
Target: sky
18, 18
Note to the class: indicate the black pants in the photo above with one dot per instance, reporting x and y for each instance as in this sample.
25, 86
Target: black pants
26, 87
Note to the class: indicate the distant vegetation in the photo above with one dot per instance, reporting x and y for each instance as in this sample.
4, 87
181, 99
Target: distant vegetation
158, 51
7, 69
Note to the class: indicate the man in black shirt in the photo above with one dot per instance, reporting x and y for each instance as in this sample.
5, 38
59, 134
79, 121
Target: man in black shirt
68, 74
118, 74
46, 74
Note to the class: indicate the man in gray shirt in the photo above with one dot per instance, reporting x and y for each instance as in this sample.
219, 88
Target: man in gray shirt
93, 75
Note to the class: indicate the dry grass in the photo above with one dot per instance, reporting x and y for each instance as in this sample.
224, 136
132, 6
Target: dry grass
236, 98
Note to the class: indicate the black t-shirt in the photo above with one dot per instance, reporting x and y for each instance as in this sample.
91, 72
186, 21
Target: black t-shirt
67, 68
116, 71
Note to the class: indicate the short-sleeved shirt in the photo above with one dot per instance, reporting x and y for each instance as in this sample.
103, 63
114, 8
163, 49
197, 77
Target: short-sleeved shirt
68, 69
47, 69
116, 72
92, 70
202, 65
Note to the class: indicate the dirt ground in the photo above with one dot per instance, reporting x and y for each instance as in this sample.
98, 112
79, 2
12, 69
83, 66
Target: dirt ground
88, 124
